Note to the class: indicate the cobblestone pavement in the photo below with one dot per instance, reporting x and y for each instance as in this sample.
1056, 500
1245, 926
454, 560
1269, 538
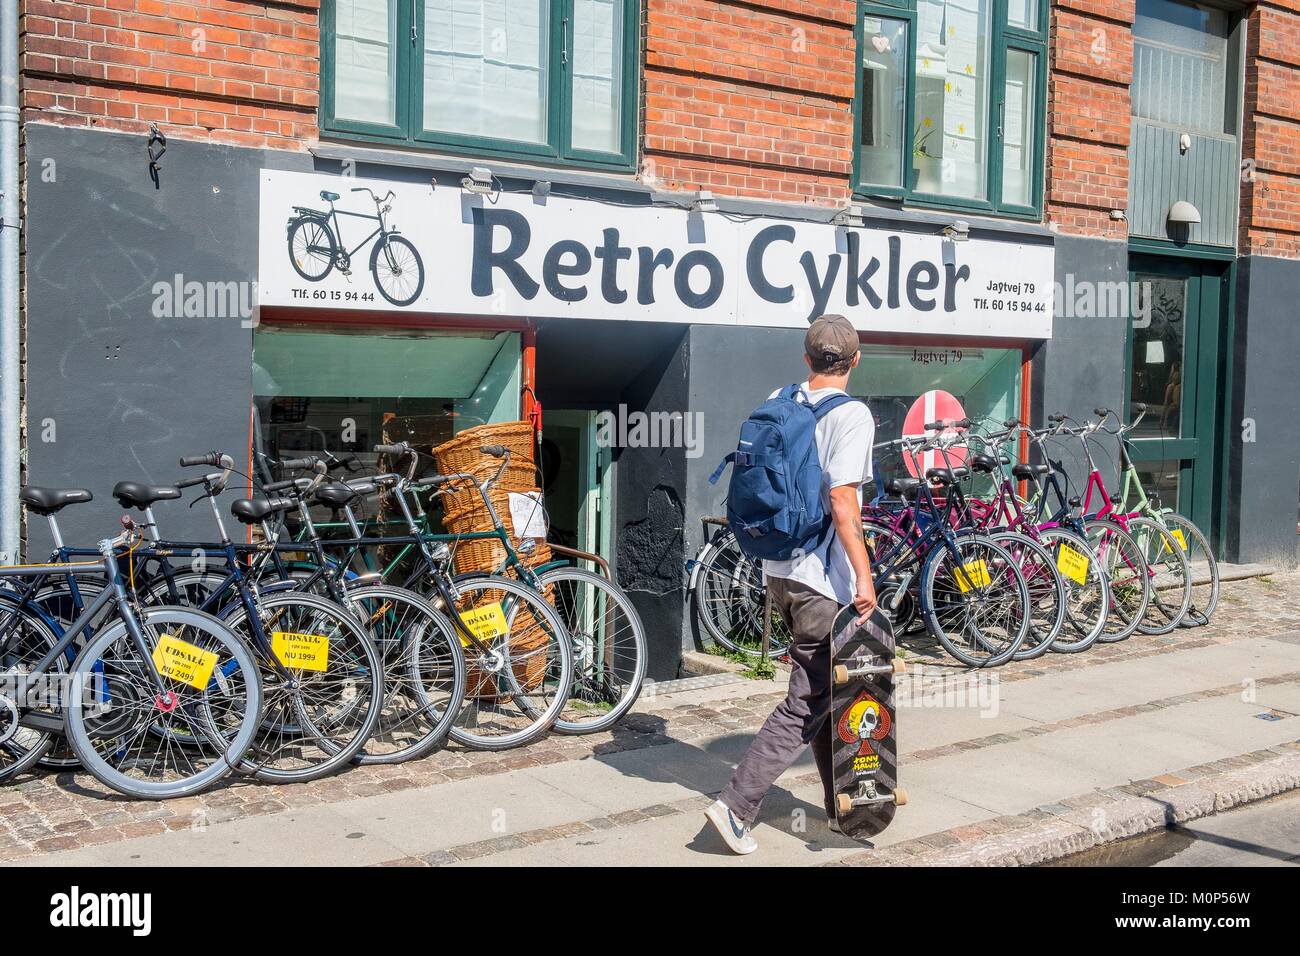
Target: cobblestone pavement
44, 812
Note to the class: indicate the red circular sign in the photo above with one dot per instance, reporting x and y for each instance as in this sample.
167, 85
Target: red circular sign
934, 406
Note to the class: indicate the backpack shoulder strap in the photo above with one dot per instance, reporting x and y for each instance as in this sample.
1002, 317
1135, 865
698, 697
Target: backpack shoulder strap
829, 404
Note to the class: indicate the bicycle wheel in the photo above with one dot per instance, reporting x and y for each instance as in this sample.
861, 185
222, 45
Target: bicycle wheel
397, 268
192, 589
1047, 595
216, 708
609, 648
1087, 591
518, 683
25, 643
881, 540
730, 598
975, 601
312, 248
1202, 566
423, 694
319, 712
57, 603
1125, 568
1170, 583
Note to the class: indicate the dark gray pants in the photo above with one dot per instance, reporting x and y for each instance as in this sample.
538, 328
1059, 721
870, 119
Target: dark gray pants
800, 719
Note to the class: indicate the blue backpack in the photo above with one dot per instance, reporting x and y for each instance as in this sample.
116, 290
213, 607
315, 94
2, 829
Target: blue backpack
774, 502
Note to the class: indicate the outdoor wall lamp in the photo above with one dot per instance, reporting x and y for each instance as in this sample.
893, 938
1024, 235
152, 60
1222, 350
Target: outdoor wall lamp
478, 181
541, 189
1183, 213
851, 215
958, 230
704, 202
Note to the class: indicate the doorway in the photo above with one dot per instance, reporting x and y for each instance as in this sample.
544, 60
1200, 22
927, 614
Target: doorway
1174, 368
576, 480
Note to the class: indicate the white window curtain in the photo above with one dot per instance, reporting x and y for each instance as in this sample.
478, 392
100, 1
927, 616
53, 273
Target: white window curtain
485, 65
365, 65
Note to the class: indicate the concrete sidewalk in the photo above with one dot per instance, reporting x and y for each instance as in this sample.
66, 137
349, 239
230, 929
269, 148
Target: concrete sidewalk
981, 755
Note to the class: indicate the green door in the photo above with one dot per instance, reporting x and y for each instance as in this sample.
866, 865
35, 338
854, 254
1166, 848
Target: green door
1173, 367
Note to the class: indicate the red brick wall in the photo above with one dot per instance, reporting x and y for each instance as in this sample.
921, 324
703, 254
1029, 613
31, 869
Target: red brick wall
1270, 188
227, 71
1091, 49
750, 99
743, 97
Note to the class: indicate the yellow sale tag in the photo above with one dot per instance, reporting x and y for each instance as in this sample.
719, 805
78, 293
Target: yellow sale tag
302, 652
183, 662
973, 574
486, 623
1073, 564
1179, 537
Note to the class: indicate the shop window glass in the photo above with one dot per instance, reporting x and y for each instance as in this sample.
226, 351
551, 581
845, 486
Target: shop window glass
485, 67
365, 60
597, 74
950, 142
1180, 66
1156, 360
891, 378
1018, 159
343, 393
882, 114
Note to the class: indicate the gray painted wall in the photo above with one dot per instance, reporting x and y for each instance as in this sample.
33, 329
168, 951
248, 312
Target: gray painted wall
650, 512
730, 375
121, 392
1082, 365
1263, 474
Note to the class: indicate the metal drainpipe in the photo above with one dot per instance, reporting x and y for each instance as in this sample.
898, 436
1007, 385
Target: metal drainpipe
10, 362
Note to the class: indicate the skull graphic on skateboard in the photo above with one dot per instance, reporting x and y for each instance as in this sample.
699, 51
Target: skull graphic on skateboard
863, 724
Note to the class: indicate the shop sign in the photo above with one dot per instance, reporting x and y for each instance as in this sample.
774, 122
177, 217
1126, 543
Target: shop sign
452, 252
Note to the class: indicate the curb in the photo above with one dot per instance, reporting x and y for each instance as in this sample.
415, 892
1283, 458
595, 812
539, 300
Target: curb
1060, 830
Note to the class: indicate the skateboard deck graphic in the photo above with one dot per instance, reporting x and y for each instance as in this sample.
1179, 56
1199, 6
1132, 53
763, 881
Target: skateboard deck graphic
863, 724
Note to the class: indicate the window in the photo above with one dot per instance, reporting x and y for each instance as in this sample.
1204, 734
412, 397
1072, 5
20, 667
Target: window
895, 378
950, 100
526, 79
1181, 67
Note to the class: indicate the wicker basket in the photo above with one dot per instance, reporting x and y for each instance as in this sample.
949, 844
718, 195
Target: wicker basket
462, 454
464, 512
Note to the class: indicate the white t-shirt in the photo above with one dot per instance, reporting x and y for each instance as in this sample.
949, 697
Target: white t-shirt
844, 438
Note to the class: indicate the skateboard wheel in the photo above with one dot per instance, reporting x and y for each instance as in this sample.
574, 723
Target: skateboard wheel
843, 803
900, 797
840, 674
900, 666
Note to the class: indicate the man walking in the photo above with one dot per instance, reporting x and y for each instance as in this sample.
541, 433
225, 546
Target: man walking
809, 589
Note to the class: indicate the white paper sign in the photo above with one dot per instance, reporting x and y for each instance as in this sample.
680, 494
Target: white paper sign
457, 253
528, 514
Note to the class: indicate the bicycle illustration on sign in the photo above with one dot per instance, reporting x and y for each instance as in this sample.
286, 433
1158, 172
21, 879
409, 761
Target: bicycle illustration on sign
316, 247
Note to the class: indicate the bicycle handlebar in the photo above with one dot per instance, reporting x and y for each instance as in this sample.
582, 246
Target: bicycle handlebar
214, 459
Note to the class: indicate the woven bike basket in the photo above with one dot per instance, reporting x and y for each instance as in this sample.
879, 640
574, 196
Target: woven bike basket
464, 512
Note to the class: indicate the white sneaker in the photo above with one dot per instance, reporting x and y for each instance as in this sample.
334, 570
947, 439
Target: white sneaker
734, 833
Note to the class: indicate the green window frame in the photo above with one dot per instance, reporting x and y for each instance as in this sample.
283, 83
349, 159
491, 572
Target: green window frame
1003, 40
406, 72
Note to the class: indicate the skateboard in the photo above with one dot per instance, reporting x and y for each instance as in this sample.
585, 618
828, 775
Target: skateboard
863, 723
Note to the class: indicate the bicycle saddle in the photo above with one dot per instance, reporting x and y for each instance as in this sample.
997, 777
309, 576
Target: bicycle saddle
1027, 471
903, 487
135, 494
46, 501
337, 495
253, 510
983, 463
328, 196
946, 476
